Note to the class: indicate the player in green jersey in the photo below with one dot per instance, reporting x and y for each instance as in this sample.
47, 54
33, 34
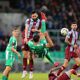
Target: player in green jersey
11, 52
39, 45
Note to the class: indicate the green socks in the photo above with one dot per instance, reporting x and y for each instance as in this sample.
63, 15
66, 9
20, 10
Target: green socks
49, 58
4, 78
43, 28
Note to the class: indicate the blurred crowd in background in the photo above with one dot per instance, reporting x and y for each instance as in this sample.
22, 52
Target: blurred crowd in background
60, 13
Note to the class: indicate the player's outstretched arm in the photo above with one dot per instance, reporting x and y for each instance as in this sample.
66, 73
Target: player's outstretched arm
50, 43
67, 41
26, 32
15, 51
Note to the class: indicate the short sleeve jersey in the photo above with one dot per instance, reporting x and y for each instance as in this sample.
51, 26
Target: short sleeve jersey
12, 43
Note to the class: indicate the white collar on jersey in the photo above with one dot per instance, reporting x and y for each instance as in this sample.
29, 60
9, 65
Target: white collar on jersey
73, 30
33, 20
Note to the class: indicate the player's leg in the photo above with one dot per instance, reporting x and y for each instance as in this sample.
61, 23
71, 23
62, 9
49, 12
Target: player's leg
76, 66
43, 28
63, 66
65, 76
31, 65
6, 73
66, 61
9, 64
49, 58
52, 75
25, 57
77, 60
25, 60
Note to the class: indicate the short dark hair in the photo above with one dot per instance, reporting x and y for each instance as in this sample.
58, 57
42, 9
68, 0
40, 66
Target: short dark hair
15, 27
73, 22
36, 37
34, 11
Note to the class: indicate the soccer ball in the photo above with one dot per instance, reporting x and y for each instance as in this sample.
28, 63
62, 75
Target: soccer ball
64, 31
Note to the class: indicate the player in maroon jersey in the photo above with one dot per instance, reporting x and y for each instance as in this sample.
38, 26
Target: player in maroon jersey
64, 76
32, 24
71, 40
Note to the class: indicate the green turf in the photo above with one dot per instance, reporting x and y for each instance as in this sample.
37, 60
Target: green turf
37, 76
75, 77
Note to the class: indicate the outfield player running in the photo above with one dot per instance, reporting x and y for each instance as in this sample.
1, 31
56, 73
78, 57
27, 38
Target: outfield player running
33, 24
11, 52
71, 40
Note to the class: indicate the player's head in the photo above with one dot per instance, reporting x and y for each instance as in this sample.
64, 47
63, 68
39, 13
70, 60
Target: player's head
74, 26
36, 37
34, 15
15, 31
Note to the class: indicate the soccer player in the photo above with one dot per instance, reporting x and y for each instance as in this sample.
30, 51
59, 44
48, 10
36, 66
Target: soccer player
11, 52
39, 45
64, 76
32, 24
71, 40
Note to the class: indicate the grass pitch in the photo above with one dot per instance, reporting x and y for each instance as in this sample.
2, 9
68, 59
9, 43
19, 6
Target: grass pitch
37, 76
